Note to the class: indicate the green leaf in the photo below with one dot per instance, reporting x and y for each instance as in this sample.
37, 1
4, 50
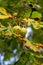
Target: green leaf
26, 13
8, 55
36, 14
41, 24
3, 45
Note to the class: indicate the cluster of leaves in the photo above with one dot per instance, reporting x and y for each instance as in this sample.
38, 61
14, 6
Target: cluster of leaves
14, 18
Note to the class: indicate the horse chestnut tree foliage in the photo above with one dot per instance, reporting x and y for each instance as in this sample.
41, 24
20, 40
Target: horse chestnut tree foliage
16, 16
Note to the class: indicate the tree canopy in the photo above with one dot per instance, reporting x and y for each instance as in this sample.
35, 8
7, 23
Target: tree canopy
15, 17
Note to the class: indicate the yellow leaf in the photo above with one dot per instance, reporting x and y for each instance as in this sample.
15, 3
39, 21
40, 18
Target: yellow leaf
3, 16
41, 24
36, 24
30, 45
3, 11
18, 30
38, 45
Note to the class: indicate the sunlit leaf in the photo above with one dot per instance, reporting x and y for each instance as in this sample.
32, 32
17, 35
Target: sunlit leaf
3, 11
30, 45
36, 14
36, 24
38, 45
3, 16
41, 24
20, 31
